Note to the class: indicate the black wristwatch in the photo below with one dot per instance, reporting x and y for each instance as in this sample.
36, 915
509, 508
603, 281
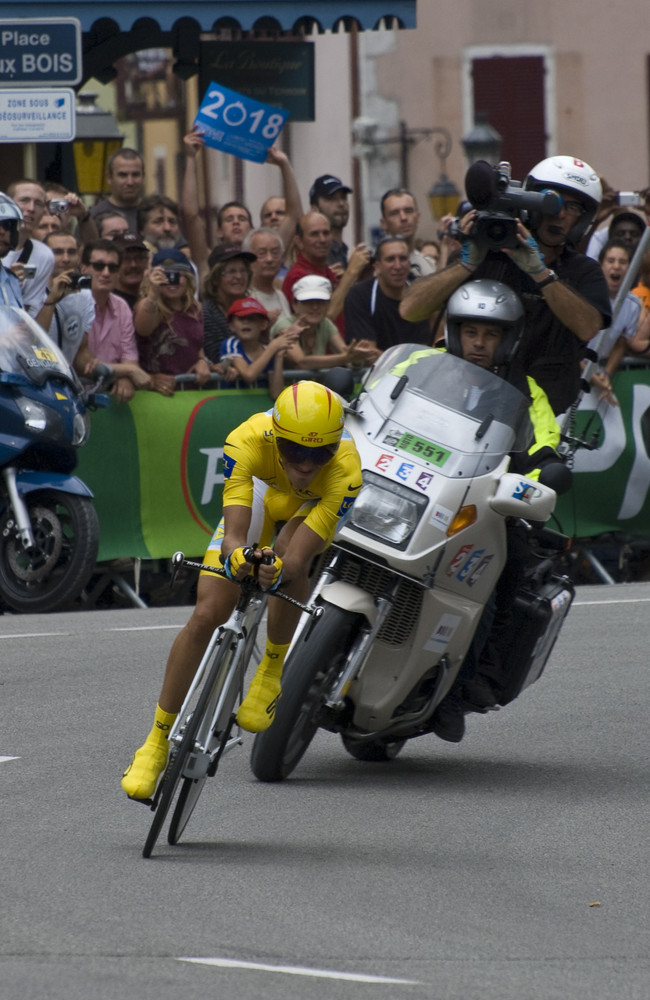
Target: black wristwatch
552, 276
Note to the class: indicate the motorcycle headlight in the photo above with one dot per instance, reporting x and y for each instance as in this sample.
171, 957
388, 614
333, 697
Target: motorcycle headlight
80, 429
386, 511
35, 416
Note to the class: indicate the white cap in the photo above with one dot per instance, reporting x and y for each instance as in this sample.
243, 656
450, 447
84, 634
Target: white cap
312, 286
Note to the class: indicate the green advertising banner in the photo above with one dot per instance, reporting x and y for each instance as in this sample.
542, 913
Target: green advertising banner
611, 482
155, 467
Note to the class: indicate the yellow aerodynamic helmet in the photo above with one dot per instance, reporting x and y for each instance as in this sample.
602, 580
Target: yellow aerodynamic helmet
308, 423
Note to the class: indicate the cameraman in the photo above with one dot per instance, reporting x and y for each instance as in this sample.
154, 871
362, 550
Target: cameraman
564, 292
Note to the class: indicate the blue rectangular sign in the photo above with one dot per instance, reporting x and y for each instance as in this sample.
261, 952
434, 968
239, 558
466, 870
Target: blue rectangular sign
40, 51
238, 124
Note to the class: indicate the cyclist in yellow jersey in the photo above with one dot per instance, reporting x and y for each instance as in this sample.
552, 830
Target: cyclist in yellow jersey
294, 467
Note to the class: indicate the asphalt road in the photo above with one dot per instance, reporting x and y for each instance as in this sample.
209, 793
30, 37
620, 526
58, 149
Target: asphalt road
513, 866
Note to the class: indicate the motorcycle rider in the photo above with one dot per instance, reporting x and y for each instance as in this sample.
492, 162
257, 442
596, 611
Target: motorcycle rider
10, 218
563, 292
485, 323
294, 466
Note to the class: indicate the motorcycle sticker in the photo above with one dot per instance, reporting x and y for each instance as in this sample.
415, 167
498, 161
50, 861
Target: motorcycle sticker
424, 480
470, 564
442, 633
404, 471
430, 452
441, 517
484, 563
392, 438
526, 492
458, 559
384, 462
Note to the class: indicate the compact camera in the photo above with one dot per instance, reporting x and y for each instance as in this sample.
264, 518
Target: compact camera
79, 281
632, 198
173, 277
500, 201
29, 271
57, 206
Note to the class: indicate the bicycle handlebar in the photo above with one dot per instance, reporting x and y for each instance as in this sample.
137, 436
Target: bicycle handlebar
179, 560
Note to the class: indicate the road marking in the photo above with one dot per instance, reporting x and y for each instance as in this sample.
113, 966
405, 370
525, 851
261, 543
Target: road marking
298, 970
32, 635
4, 759
614, 600
141, 628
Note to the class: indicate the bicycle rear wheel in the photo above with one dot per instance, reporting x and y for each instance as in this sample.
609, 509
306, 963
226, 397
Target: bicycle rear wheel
216, 673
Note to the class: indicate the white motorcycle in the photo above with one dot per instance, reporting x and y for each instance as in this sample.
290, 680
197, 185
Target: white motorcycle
413, 565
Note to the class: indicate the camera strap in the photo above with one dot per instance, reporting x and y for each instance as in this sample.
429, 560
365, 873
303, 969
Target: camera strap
59, 329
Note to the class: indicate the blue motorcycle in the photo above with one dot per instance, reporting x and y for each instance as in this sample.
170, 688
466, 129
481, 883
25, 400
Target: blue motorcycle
49, 531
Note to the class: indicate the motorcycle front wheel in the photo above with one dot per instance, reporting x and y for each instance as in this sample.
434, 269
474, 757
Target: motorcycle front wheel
52, 574
311, 669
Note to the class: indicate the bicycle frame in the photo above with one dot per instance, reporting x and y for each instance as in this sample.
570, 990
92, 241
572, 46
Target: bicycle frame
198, 743
239, 633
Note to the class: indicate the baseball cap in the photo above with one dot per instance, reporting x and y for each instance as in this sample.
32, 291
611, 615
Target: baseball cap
312, 286
222, 253
247, 307
325, 186
172, 259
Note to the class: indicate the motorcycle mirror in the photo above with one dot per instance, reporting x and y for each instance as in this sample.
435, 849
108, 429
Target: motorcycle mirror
339, 380
557, 477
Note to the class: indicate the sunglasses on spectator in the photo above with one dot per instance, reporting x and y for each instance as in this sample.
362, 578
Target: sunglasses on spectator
101, 265
296, 454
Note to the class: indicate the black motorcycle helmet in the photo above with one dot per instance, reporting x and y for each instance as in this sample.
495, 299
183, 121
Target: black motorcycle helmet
490, 302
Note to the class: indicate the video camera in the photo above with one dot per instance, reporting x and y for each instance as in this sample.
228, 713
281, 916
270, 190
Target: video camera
500, 201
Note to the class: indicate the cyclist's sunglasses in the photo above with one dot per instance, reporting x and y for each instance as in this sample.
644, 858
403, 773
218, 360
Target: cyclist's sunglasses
296, 454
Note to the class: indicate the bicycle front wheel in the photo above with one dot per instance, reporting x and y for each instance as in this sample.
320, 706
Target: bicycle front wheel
197, 715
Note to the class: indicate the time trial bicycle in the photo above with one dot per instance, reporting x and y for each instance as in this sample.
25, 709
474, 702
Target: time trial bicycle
206, 727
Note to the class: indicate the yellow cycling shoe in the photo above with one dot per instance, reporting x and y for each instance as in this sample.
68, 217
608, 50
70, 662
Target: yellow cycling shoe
257, 710
141, 776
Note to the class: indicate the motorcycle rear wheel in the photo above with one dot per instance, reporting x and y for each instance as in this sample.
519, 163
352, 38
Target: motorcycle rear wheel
49, 578
311, 669
375, 751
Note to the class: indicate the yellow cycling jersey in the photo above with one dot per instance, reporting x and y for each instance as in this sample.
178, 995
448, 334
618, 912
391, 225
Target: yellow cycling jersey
250, 452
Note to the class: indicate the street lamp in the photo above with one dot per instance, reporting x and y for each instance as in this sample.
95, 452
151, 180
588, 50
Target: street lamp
98, 137
443, 195
483, 142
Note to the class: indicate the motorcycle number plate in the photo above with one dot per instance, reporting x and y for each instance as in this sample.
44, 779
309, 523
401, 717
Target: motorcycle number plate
421, 448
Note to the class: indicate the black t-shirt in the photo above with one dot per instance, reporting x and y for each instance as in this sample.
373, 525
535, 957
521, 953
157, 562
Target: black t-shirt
371, 315
549, 351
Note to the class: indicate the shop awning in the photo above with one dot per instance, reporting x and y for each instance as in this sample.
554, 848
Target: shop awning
114, 28
285, 15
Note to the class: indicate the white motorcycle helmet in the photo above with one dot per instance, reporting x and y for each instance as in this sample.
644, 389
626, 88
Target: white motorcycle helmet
10, 217
490, 302
569, 174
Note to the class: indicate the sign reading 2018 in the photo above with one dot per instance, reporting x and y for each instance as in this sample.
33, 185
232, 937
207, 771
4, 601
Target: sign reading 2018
237, 124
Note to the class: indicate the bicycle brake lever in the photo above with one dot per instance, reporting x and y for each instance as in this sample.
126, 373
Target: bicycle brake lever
177, 562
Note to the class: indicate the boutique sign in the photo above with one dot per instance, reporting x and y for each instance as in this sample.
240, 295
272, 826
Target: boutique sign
276, 73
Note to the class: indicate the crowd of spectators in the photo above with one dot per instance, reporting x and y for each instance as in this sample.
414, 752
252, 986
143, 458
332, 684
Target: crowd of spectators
136, 280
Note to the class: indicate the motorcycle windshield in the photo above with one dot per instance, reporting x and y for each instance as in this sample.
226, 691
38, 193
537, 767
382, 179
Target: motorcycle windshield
431, 399
25, 349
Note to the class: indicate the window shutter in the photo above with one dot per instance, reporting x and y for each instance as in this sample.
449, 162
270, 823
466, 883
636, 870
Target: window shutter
510, 90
